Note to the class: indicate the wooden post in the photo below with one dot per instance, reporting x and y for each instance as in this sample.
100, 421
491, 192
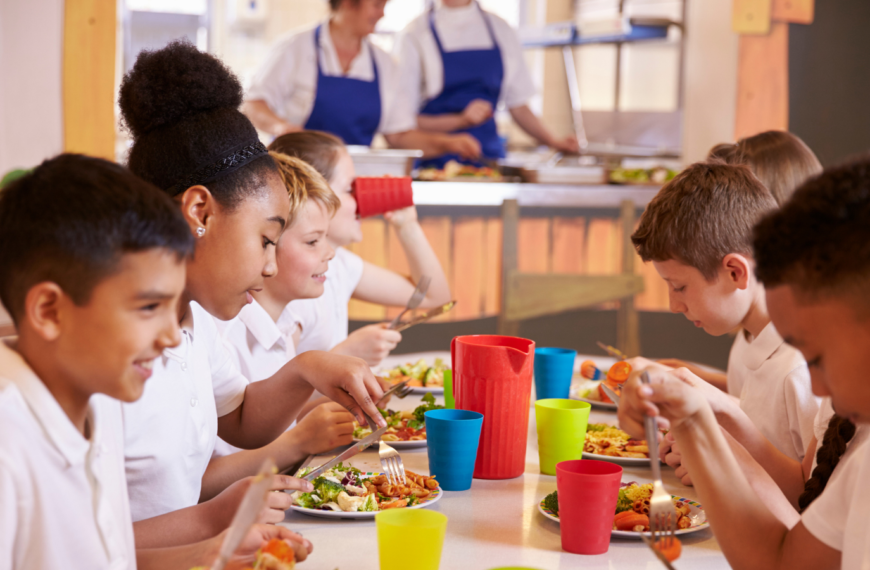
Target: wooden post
627, 325
510, 215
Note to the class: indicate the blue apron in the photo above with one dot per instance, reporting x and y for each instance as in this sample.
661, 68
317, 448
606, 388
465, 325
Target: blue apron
346, 107
469, 75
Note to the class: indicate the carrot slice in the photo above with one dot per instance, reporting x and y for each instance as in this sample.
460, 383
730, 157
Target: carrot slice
279, 549
629, 522
671, 548
619, 372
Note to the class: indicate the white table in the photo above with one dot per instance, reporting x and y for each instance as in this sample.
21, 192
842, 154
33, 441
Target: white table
495, 523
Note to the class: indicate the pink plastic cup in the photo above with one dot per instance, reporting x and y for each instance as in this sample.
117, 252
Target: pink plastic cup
588, 491
380, 194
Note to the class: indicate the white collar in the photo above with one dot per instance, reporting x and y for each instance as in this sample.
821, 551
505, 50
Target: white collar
179, 353
470, 7
261, 325
58, 428
762, 347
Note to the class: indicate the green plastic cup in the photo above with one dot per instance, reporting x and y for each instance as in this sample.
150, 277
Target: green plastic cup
561, 431
410, 535
449, 402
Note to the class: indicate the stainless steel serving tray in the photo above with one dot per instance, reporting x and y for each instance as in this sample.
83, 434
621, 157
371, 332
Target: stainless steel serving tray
383, 162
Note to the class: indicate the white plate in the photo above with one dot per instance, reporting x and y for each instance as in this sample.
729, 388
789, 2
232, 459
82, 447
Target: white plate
696, 514
404, 444
597, 404
434, 497
626, 461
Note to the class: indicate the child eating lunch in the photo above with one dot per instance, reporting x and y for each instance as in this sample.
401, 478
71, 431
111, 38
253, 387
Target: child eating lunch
189, 139
92, 315
813, 259
324, 320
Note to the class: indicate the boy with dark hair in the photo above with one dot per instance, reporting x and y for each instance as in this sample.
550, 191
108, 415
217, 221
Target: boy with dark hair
92, 266
697, 232
813, 257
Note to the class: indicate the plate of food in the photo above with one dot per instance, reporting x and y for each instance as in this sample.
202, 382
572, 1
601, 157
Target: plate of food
609, 443
345, 492
586, 386
404, 429
421, 377
457, 171
631, 518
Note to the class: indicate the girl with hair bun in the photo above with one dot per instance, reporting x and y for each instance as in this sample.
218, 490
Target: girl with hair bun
190, 140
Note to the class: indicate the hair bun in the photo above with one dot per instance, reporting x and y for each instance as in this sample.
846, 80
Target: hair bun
172, 83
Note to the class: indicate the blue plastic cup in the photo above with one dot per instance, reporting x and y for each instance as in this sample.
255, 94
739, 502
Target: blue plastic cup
554, 369
453, 437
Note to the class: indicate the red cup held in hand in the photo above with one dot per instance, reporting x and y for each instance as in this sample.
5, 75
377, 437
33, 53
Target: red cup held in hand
380, 194
588, 491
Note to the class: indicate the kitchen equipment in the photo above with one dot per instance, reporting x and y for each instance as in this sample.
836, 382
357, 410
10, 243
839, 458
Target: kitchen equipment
662, 513
588, 491
554, 370
453, 438
410, 539
424, 316
383, 162
416, 298
380, 194
391, 463
561, 426
347, 453
492, 375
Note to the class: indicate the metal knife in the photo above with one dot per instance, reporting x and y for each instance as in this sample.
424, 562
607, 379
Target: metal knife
245, 517
427, 316
614, 352
346, 454
611, 393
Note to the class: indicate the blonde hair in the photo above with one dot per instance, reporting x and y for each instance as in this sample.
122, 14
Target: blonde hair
779, 159
320, 150
304, 183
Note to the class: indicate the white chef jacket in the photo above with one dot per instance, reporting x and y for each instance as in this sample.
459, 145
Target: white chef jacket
776, 393
840, 516
171, 431
258, 346
63, 498
287, 81
324, 319
421, 72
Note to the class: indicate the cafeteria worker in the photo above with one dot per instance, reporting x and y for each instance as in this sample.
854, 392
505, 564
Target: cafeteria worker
332, 78
458, 61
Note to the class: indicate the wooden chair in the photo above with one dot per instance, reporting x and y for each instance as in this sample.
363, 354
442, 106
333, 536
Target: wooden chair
527, 295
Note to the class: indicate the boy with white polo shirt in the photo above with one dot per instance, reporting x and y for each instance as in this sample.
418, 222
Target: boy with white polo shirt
92, 266
697, 232
813, 257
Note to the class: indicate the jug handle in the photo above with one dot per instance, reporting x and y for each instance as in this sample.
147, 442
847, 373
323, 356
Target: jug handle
453, 369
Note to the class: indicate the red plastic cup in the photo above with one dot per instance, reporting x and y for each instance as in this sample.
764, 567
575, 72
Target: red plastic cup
492, 375
379, 194
588, 491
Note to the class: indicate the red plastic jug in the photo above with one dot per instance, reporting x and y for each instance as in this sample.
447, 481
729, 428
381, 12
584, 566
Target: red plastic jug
493, 375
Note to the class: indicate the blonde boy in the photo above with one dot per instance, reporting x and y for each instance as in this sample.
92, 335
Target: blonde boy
697, 232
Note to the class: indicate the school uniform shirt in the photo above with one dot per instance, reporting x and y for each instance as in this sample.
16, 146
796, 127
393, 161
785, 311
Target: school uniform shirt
324, 320
776, 392
840, 516
287, 81
258, 346
421, 72
63, 498
171, 431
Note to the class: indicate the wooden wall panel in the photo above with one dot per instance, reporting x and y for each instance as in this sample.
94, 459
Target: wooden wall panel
793, 11
751, 16
89, 77
396, 261
373, 249
601, 249
533, 245
762, 82
439, 232
569, 245
468, 266
492, 267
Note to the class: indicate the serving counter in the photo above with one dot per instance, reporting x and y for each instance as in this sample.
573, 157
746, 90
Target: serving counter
495, 523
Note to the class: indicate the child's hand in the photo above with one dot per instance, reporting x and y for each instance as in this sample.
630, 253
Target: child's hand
225, 504
257, 537
669, 453
372, 343
403, 217
325, 427
668, 396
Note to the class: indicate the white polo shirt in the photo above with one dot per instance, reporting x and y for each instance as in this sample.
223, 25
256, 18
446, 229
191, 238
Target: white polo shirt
840, 516
287, 80
63, 498
171, 431
324, 319
776, 392
421, 72
258, 346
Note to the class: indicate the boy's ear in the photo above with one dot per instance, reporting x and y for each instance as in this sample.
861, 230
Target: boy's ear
739, 269
42, 309
197, 206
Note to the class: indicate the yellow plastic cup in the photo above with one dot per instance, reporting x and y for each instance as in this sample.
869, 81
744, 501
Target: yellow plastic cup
410, 538
561, 431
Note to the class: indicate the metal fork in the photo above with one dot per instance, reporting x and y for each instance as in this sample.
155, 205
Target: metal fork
399, 390
391, 461
416, 298
662, 513
657, 552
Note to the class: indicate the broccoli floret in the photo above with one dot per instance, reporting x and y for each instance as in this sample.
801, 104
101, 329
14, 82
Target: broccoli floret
623, 503
327, 489
428, 404
370, 504
305, 500
360, 432
596, 427
551, 502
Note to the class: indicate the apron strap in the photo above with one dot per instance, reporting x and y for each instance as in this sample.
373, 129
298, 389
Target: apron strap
317, 54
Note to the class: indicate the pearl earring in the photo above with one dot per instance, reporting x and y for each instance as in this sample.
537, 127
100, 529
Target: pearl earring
200, 232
